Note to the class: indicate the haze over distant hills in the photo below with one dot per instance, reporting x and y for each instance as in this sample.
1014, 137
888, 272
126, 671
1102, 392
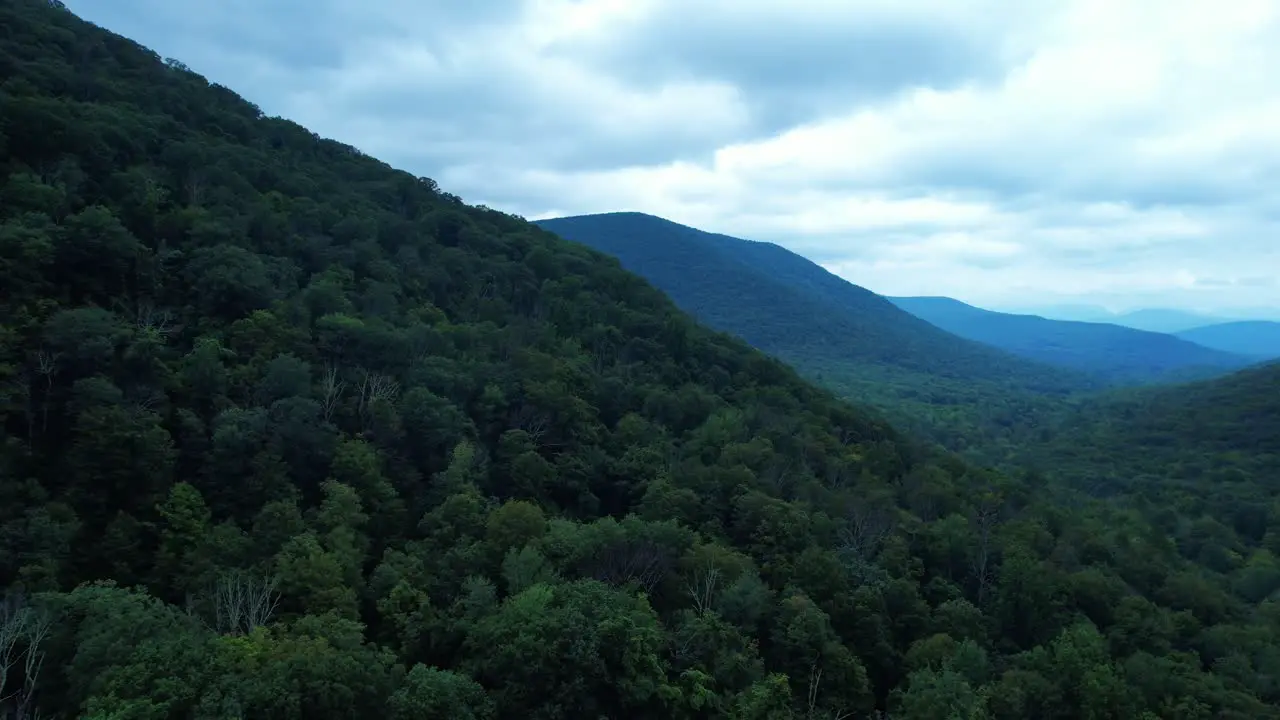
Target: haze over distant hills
1111, 351
1165, 320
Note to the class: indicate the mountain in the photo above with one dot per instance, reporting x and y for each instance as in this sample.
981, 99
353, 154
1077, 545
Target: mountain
1164, 321
1255, 338
288, 433
1112, 352
1078, 313
1150, 319
849, 338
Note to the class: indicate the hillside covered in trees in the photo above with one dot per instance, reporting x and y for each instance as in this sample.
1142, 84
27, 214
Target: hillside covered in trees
290, 434
1216, 439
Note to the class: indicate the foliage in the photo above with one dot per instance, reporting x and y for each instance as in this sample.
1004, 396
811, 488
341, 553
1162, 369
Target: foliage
290, 434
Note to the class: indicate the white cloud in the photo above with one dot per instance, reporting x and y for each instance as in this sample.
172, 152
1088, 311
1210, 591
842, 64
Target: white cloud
1126, 152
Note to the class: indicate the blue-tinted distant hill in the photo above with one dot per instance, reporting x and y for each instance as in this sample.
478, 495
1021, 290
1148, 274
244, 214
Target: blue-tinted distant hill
1256, 338
847, 337
1164, 321
1114, 353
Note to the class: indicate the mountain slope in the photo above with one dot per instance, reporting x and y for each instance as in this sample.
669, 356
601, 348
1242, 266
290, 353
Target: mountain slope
290, 434
1115, 353
850, 338
1256, 338
1217, 441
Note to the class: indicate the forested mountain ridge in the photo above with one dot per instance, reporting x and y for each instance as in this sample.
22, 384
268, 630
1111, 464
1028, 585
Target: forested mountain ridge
846, 337
1114, 353
290, 434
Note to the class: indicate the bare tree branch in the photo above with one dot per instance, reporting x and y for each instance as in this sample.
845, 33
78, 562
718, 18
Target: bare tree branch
534, 422
331, 387
815, 681
865, 528
702, 587
244, 601
46, 365
36, 630
374, 388
23, 630
12, 622
146, 316
984, 519
642, 562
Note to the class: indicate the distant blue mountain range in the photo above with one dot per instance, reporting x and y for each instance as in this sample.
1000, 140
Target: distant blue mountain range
1256, 338
1109, 350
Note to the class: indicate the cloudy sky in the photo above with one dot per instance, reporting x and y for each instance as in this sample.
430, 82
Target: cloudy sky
1124, 153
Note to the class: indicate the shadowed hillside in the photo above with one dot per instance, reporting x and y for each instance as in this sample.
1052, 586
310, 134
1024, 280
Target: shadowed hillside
1113, 353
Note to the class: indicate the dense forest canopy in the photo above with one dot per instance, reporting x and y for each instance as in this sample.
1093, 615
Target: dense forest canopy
291, 434
1218, 440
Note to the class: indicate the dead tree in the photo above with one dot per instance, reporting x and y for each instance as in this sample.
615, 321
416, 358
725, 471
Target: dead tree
148, 318
331, 387
193, 183
866, 525
702, 587
374, 388
625, 561
37, 629
984, 520
244, 601
815, 681
12, 621
23, 630
532, 421
839, 474
46, 365
847, 437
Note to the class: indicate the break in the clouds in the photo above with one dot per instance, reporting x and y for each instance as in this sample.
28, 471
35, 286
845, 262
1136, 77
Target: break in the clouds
1009, 154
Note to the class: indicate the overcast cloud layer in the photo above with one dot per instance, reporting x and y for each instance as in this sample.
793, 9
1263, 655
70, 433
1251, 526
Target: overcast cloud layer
1009, 154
